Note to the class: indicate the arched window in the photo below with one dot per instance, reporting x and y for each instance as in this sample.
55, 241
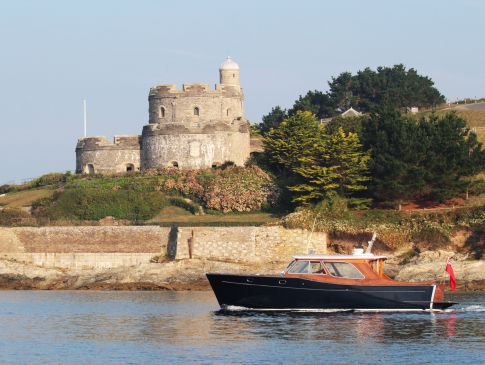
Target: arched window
162, 112
175, 164
196, 111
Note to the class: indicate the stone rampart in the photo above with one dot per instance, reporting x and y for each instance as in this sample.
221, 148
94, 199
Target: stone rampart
98, 155
104, 247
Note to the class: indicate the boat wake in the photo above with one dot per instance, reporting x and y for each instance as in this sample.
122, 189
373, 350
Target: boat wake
471, 308
234, 308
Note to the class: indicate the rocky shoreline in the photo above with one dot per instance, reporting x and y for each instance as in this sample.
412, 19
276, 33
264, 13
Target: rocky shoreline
189, 274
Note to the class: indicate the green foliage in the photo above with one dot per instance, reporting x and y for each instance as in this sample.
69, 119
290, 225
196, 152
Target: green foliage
272, 120
314, 102
4, 189
348, 124
94, 204
240, 189
316, 162
367, 91
54, 178
333, 206
393, 228
420, 159
185, 204
394, 87
12, 217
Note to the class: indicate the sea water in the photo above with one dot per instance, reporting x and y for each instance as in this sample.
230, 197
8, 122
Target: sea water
88, 327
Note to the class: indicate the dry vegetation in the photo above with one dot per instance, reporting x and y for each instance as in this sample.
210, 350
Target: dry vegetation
24, 198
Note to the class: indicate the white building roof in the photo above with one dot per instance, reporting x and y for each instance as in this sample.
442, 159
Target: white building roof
229, 64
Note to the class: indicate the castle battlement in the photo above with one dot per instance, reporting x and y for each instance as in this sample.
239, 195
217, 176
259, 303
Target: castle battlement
102, 142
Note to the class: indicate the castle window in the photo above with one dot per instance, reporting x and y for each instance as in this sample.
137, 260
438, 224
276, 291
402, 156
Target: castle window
175, 164
228, 111
90, 169
162, 112
130, 167
196, 111
233, 76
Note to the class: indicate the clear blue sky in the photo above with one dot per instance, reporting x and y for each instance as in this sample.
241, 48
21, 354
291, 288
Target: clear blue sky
56, 53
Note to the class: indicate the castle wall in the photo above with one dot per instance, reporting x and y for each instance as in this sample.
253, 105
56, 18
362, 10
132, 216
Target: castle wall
195, 150
98, 155
224, 104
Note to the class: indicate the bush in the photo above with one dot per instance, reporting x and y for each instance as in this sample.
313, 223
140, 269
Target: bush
4, 189
185, 204
94, 204
55, 178
240, 189
12, 217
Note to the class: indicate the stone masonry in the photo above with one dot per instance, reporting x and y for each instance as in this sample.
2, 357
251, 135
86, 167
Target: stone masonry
195, 127
100, 246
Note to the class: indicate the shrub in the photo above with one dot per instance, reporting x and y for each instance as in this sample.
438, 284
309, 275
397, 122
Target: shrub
94, 204
240, 189
185, 204
13, 217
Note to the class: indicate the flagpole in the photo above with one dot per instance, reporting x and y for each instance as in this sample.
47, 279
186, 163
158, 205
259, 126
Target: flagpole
85, 118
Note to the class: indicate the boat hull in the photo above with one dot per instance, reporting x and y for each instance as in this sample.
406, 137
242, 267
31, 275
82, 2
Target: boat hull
283, 293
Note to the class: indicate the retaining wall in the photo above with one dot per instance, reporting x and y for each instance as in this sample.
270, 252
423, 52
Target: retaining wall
113, 246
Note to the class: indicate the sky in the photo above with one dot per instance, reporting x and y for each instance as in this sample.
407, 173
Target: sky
54, 54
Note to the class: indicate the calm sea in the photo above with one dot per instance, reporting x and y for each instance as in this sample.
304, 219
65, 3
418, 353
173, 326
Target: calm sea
64, 327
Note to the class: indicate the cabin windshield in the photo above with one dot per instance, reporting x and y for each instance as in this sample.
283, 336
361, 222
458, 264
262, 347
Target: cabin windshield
300, 267
343, 270
306, 267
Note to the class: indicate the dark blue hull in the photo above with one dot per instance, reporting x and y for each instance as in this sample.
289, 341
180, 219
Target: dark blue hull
280, 293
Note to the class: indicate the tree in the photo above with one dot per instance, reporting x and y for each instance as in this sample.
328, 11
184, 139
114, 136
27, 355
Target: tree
315, 102
348, 124
317, 163
392, 87
337, 165
397, 154
272, 119
428, 159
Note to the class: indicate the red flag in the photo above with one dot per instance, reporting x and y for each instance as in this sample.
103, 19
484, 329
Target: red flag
451, 272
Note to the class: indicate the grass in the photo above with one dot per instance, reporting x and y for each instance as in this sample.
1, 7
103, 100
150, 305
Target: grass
481, 135
24, 198
175, 215
474, 118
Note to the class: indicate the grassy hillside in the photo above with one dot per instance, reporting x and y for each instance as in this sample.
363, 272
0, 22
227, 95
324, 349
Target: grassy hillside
231, 195
24, 198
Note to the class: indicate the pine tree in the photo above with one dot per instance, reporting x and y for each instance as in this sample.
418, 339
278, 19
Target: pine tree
316, 162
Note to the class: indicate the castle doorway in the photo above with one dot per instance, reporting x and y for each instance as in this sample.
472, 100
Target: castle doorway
130, 167
90, 169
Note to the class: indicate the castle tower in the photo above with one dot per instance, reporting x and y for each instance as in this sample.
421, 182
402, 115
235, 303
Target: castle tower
196, 126
229, 73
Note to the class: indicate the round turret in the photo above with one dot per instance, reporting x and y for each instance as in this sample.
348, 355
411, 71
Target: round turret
229, 72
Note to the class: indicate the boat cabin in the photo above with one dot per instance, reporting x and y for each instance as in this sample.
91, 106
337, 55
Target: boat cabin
338, 268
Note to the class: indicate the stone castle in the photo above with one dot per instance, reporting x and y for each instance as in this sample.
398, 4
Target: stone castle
192, 128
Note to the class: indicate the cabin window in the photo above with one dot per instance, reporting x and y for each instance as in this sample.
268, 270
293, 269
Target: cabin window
343, 270
300, 267
196, 111
162, 112
316, 267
